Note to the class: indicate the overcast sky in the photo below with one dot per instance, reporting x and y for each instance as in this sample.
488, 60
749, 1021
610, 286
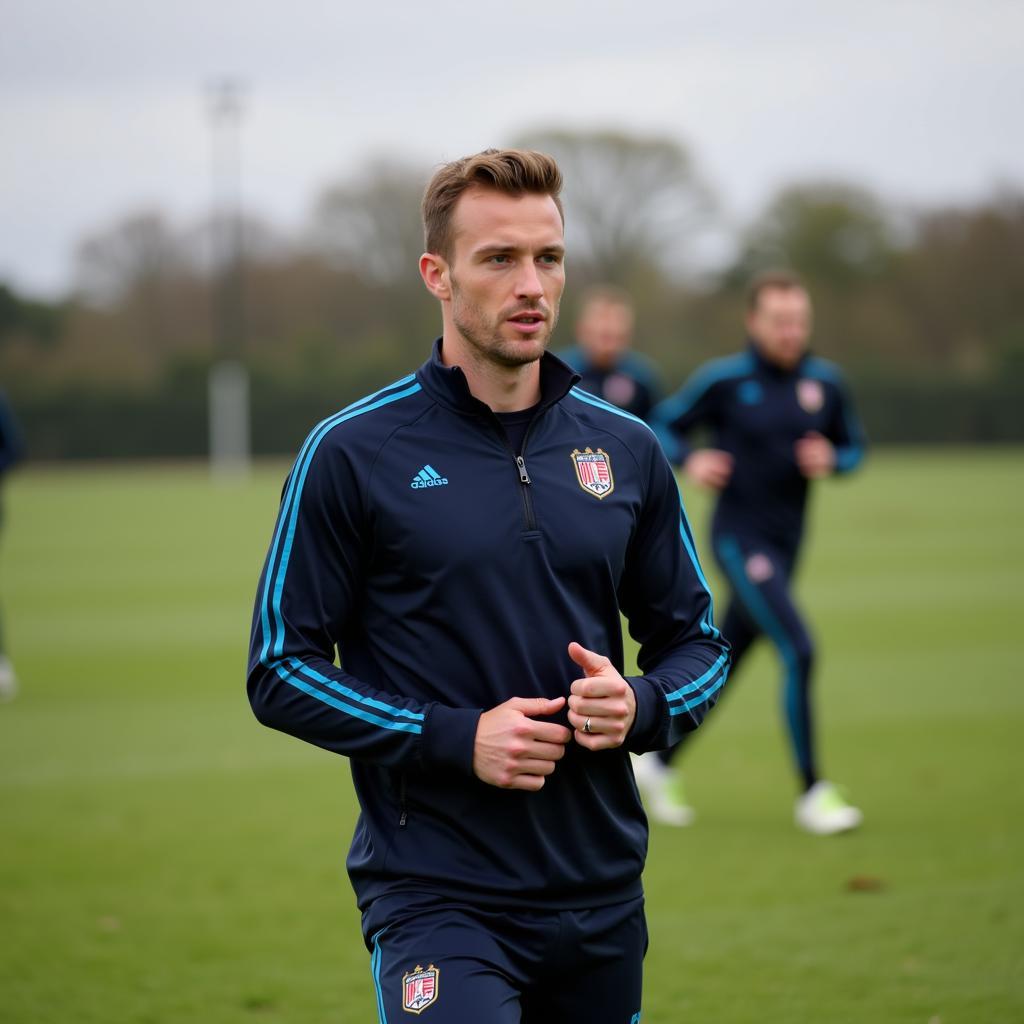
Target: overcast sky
102, 110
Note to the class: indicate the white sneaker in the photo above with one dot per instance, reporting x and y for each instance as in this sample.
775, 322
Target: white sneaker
823, 811
662, 790
8, 681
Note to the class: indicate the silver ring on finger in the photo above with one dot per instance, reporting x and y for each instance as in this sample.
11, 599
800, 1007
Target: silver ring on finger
586, 727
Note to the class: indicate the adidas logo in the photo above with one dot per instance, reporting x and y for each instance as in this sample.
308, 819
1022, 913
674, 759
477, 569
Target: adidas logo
428, 477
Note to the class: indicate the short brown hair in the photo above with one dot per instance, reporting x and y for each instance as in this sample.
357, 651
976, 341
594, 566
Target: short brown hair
512, 171
784, 280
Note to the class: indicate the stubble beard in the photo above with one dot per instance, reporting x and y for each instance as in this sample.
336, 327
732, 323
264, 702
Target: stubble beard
486, 340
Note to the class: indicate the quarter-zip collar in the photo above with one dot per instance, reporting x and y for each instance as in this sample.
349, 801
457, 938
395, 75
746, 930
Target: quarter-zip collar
773, 369
448, 384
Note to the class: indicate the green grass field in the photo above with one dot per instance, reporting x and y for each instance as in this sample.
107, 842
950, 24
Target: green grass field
165, 859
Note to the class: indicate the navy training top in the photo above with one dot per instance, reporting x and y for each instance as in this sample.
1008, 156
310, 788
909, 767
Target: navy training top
757, 411
449, 576
631, 384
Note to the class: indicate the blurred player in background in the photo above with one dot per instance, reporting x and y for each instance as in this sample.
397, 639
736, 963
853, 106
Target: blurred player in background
11, 451
603, 355
778, 418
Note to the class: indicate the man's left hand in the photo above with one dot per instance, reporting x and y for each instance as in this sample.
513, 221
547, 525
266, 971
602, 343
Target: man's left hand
815, 455
603, 698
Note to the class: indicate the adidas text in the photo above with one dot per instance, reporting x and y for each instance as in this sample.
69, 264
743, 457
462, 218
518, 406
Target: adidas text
428, 477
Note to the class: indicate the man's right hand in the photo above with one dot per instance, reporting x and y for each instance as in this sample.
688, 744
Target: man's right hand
512, 751
709, 467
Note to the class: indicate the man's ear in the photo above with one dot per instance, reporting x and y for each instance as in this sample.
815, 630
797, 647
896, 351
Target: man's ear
436, 276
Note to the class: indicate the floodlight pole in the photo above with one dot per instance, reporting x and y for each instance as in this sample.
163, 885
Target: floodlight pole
228, 395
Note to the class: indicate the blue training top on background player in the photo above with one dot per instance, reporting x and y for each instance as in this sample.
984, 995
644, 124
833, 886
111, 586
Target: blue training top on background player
602, 355
776, 418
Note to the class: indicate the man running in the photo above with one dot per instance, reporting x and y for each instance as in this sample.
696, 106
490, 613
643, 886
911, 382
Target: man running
779, 418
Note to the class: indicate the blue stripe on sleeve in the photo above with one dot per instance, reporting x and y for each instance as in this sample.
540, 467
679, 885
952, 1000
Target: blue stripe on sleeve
299, 666
669, 444
698, 683
289, 491
699, 384
822, 369
290, 507
270, 612
702, 699
326, 427
599, 403
707, 624
366, 716
848, 456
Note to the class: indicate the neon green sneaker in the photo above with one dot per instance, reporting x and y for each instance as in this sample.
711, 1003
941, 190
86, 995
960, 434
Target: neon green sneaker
662, 790
824, 811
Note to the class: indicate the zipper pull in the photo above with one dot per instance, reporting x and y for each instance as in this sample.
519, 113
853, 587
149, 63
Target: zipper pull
524, 477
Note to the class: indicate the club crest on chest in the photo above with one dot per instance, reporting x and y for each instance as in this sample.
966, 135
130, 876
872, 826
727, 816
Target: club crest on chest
594, 471
810, 394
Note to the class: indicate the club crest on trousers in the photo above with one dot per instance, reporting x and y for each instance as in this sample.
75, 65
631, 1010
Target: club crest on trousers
594, 471
420, 988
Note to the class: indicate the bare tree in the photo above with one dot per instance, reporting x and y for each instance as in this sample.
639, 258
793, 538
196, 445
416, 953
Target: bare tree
136, 252
633, 203
835, 233
370, 224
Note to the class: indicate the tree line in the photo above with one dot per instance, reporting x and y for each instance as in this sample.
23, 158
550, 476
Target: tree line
924, 307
